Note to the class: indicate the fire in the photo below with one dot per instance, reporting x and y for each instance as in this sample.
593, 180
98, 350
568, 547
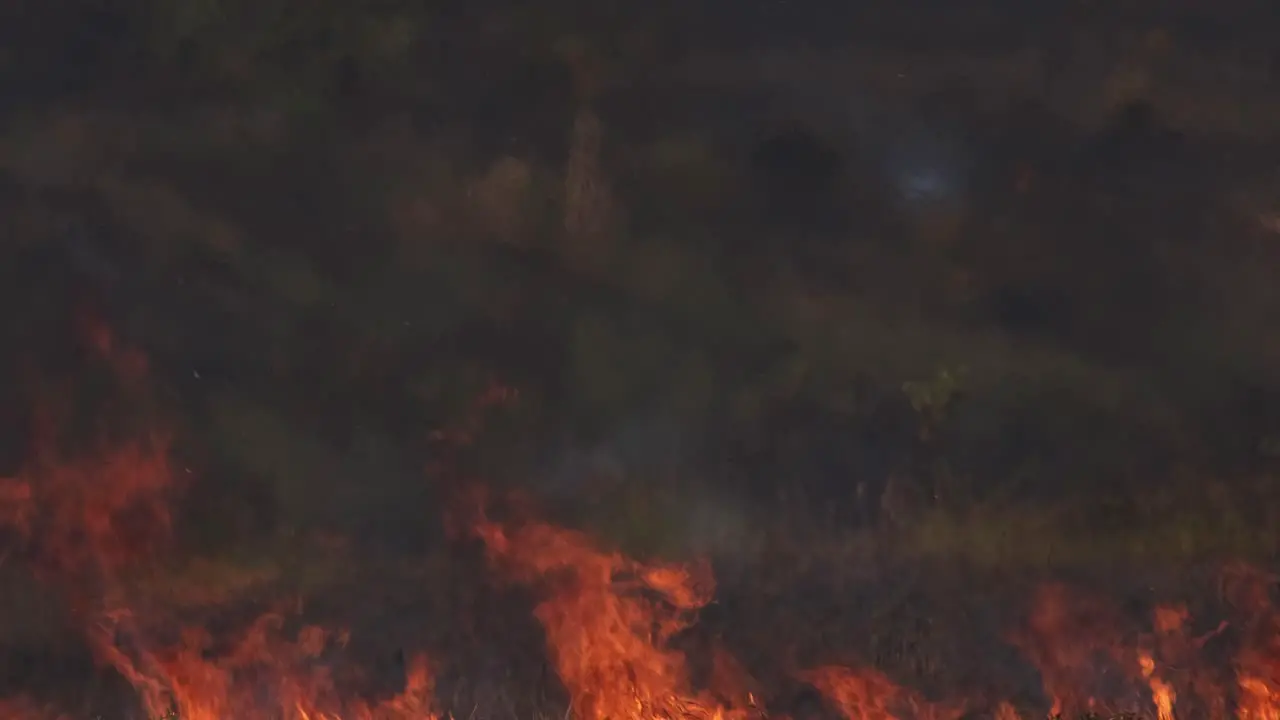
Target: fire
608, 620
95, 514
1161, 693
1074, 641
263, 677
870, 695
94, 520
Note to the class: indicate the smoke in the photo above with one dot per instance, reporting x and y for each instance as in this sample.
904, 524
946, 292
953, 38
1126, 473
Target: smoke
650, 470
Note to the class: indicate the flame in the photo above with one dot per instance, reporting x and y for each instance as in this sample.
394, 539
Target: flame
608, 621
263, 677
1258, 663
1069, 638
870, 695
100, 513
1161, 692
95, 520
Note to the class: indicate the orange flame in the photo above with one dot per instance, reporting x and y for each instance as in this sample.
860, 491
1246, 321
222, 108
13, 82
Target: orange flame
91, 519
605, 635
870, 695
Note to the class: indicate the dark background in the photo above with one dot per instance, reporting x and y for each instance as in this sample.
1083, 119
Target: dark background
891, 309
762, 272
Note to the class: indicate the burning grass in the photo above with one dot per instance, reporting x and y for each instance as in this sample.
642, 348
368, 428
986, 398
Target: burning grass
621, 637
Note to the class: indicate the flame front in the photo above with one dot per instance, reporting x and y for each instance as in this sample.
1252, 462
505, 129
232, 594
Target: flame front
94, 521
